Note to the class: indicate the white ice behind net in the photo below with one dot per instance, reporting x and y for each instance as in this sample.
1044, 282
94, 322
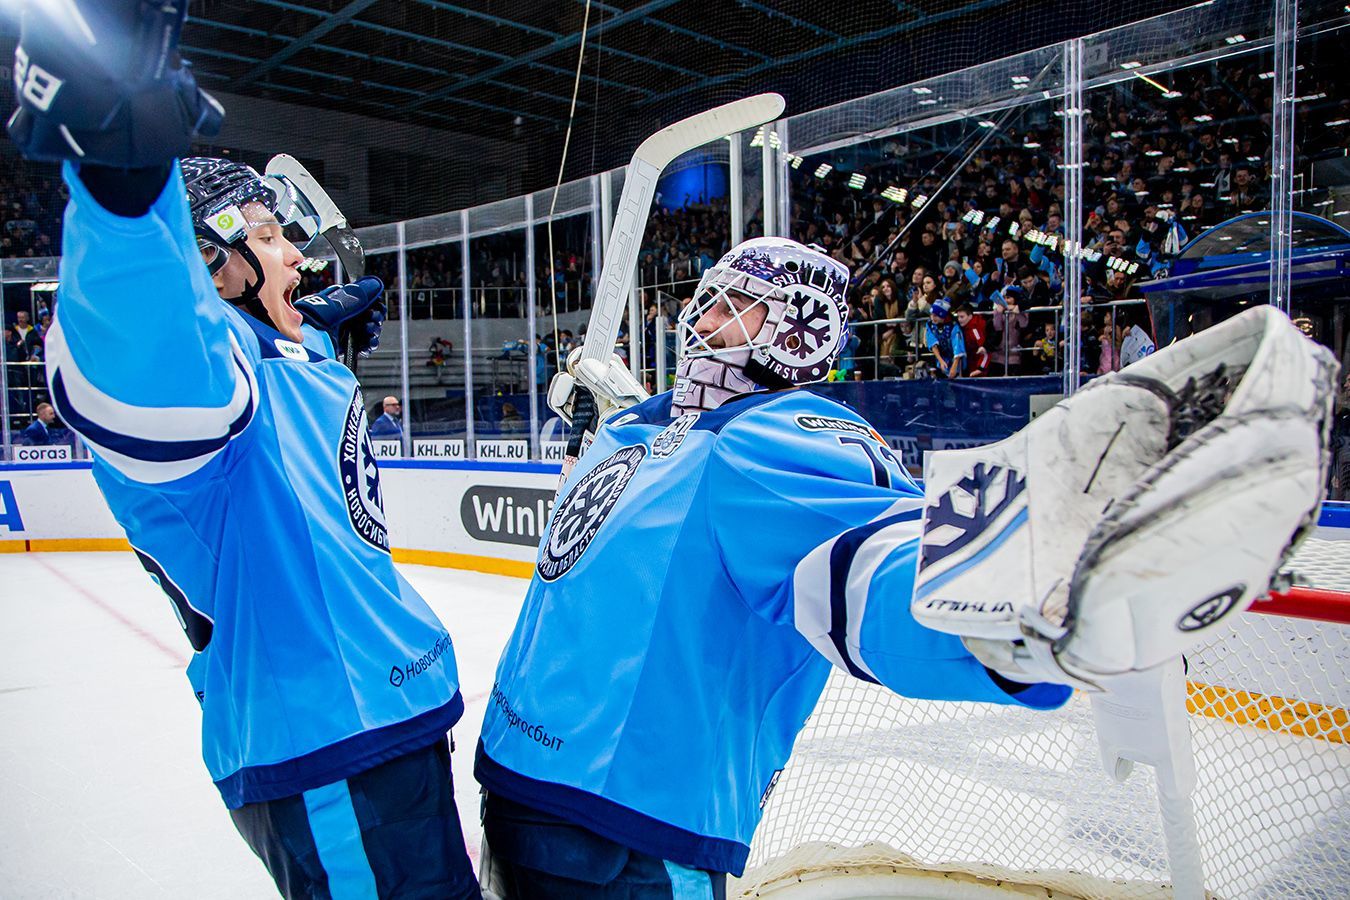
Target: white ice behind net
1020, 796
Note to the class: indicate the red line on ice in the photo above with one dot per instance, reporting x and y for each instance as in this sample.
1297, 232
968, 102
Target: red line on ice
112, 611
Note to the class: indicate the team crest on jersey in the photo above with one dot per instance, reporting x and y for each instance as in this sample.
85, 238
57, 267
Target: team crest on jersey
585, 509
361, 477
669, 440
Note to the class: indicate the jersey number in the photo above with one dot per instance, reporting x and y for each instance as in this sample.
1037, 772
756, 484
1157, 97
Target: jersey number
36, 84
877, 455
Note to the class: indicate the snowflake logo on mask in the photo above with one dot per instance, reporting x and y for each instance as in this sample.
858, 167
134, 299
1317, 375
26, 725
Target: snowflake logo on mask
806, 330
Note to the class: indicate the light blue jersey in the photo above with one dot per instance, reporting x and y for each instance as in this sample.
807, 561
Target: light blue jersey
697, 579
239, 464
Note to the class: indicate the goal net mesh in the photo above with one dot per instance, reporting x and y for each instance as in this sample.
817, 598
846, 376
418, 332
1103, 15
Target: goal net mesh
880, 783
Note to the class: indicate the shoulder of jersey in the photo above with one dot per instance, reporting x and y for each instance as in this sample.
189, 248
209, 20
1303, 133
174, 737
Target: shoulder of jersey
799, 413
264, 342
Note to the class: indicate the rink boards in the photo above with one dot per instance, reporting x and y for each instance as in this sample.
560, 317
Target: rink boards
467, 515
483, 516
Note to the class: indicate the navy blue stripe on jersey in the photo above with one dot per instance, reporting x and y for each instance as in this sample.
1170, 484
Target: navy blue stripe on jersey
142, 448
269, 349
842, 554
254, 784
656, 411
612, 820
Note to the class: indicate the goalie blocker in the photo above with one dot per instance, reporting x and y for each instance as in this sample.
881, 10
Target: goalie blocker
1133, 519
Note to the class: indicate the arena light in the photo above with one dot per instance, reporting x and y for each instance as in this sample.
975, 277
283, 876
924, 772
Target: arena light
823, 169
1206, 117
796, 161
1266, 76
929, 102
974, 217
857, 180
774, 140
45, 287
1171, 95
923, 90
985, 123
1253, 159
1117, 134
758, 139
1235, 39
1031, 145
895, 194
310, 264
1153, 153
1132, 64
1337, 122
918, 201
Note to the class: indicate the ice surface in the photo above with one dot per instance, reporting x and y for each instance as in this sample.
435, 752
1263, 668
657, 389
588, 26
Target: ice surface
102, 789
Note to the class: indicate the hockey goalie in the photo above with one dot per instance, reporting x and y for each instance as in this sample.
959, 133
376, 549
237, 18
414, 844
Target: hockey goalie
720, 546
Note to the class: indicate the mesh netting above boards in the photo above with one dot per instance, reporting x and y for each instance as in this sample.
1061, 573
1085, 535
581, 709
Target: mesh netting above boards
415, 107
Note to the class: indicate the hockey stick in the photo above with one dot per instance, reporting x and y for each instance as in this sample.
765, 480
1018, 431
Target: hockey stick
639, 189
332, 225
625, 237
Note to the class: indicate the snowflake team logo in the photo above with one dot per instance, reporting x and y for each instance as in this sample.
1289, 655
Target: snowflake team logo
361, 477
972, 512
804, 346
585, 509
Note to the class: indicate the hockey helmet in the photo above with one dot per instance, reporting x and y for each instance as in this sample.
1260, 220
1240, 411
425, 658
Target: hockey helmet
806, 324
218, 191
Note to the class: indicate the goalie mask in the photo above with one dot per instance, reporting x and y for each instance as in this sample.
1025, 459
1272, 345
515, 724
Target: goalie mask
219, 192
770, 314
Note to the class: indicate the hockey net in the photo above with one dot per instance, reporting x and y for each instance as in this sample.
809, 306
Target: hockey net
889, 797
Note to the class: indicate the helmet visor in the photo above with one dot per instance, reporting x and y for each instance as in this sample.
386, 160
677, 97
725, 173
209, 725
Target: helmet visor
730, 311
300, 221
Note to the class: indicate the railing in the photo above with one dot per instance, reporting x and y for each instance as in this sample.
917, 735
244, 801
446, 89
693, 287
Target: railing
1006, 357
487, 302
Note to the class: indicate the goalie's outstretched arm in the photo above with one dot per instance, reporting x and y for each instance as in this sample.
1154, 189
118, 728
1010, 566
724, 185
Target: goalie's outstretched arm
818, 525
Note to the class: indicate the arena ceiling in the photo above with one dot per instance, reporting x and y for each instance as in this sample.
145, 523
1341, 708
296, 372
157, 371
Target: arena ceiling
505, 68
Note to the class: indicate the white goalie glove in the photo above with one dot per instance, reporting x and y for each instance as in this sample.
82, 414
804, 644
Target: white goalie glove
612, 386
1131, 520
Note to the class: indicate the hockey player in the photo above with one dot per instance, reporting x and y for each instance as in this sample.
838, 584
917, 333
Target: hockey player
718, 547
232, 448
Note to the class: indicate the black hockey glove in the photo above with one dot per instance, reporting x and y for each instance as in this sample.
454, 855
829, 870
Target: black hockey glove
100, 81
348, 309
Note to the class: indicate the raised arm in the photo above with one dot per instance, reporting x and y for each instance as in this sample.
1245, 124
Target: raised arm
141, 360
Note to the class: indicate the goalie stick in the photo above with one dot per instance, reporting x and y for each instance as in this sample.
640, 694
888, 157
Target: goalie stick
625, 239
332, 225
